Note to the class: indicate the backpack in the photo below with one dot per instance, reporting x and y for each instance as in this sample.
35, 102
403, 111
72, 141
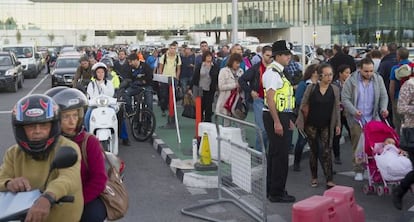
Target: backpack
165, 59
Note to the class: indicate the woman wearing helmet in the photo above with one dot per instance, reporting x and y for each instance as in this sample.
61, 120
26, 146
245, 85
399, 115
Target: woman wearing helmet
72, 103
111, 74
98, 86
35, 122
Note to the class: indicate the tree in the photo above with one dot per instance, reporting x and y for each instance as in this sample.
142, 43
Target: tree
83, 38
111, 35
140, 36
166, 34
10, 23
188, 37
18, 36
51, 37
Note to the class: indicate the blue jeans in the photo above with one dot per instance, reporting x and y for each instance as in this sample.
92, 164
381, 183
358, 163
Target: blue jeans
87, 118
94, 211
134, 90
184, 83
258, 118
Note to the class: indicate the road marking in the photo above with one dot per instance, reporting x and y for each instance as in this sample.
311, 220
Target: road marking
37, 85
29, 93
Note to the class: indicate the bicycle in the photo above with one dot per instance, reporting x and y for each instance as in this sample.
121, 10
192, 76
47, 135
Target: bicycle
142, 121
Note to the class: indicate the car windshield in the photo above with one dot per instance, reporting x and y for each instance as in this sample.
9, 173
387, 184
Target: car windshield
5, 61
67, 63
20, 52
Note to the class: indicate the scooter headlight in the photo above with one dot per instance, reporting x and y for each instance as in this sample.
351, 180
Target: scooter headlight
102, 101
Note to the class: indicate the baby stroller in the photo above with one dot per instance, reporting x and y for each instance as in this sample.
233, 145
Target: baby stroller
376, 132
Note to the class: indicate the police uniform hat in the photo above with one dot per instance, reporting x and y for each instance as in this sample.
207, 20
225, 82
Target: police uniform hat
280, 47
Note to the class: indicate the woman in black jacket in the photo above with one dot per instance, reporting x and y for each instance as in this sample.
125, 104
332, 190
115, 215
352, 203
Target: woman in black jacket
204, 84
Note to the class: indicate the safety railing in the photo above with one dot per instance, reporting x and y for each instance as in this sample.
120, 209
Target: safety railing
242, 176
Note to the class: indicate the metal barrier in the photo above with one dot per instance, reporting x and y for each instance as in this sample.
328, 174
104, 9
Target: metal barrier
243, 177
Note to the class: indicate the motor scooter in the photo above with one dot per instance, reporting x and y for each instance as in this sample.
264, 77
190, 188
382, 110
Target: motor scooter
14, 206
104, 123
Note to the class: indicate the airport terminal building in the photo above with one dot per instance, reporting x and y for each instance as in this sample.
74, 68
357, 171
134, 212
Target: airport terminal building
324, 21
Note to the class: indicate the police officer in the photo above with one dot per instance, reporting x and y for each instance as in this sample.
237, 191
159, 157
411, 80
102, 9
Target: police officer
278, 121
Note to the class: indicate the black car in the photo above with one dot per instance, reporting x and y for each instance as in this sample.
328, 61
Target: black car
65, 69
11, 72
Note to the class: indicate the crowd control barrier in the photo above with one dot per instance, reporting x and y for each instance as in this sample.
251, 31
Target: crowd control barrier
241, 178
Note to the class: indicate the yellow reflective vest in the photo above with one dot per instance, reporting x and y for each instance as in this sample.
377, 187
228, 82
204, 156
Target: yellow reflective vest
284, 97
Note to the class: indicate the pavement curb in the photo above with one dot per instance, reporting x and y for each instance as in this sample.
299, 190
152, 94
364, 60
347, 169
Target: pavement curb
187, 177
190, 177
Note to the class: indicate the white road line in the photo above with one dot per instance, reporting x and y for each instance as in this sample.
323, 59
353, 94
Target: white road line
37, 85
29, 93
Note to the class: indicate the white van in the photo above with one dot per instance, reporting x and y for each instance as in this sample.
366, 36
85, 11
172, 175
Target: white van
28, 56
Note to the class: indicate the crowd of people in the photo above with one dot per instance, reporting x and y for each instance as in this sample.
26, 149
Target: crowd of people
334, 92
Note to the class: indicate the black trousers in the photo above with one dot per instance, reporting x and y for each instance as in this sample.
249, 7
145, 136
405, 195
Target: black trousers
337, 138
278, 153
409, 178
207, 105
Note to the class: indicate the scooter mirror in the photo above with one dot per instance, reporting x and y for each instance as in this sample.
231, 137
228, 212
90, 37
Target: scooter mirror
65, 157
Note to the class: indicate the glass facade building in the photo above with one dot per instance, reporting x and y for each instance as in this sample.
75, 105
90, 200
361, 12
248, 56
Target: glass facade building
351, 21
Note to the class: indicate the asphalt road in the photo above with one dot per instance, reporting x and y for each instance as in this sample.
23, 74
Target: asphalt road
155, 194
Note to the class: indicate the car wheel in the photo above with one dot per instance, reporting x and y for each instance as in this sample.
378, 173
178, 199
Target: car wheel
20, 84
14, 87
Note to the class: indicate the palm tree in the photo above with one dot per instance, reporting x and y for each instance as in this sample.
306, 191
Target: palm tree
166, 34
83, 38
51, 37
140, 36
111, 36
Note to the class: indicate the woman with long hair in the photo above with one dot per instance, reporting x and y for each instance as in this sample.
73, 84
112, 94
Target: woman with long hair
319, 117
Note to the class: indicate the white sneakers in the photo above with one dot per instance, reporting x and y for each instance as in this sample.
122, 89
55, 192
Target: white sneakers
359, 177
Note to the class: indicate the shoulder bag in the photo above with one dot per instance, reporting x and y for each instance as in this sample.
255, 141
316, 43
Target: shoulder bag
115, 196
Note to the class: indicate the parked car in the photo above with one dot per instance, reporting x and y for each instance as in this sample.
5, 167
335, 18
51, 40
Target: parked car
28, 56
11, 75
65, 69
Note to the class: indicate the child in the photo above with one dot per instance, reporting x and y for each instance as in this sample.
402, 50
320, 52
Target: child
391, 161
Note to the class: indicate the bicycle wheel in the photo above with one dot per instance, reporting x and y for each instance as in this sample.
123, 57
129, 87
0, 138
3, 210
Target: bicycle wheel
143, 125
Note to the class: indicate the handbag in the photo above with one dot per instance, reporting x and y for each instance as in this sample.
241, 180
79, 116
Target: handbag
239, 109
189, 107
231, 100
115, 196
407, 139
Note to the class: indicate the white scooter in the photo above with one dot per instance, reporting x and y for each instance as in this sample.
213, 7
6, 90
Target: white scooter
104, 123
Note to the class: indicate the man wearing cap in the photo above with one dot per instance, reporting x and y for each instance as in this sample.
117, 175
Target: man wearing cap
277, 118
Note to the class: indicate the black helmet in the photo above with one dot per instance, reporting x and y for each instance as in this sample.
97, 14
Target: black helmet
97, 66
72, 99
55, 90
35, 109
